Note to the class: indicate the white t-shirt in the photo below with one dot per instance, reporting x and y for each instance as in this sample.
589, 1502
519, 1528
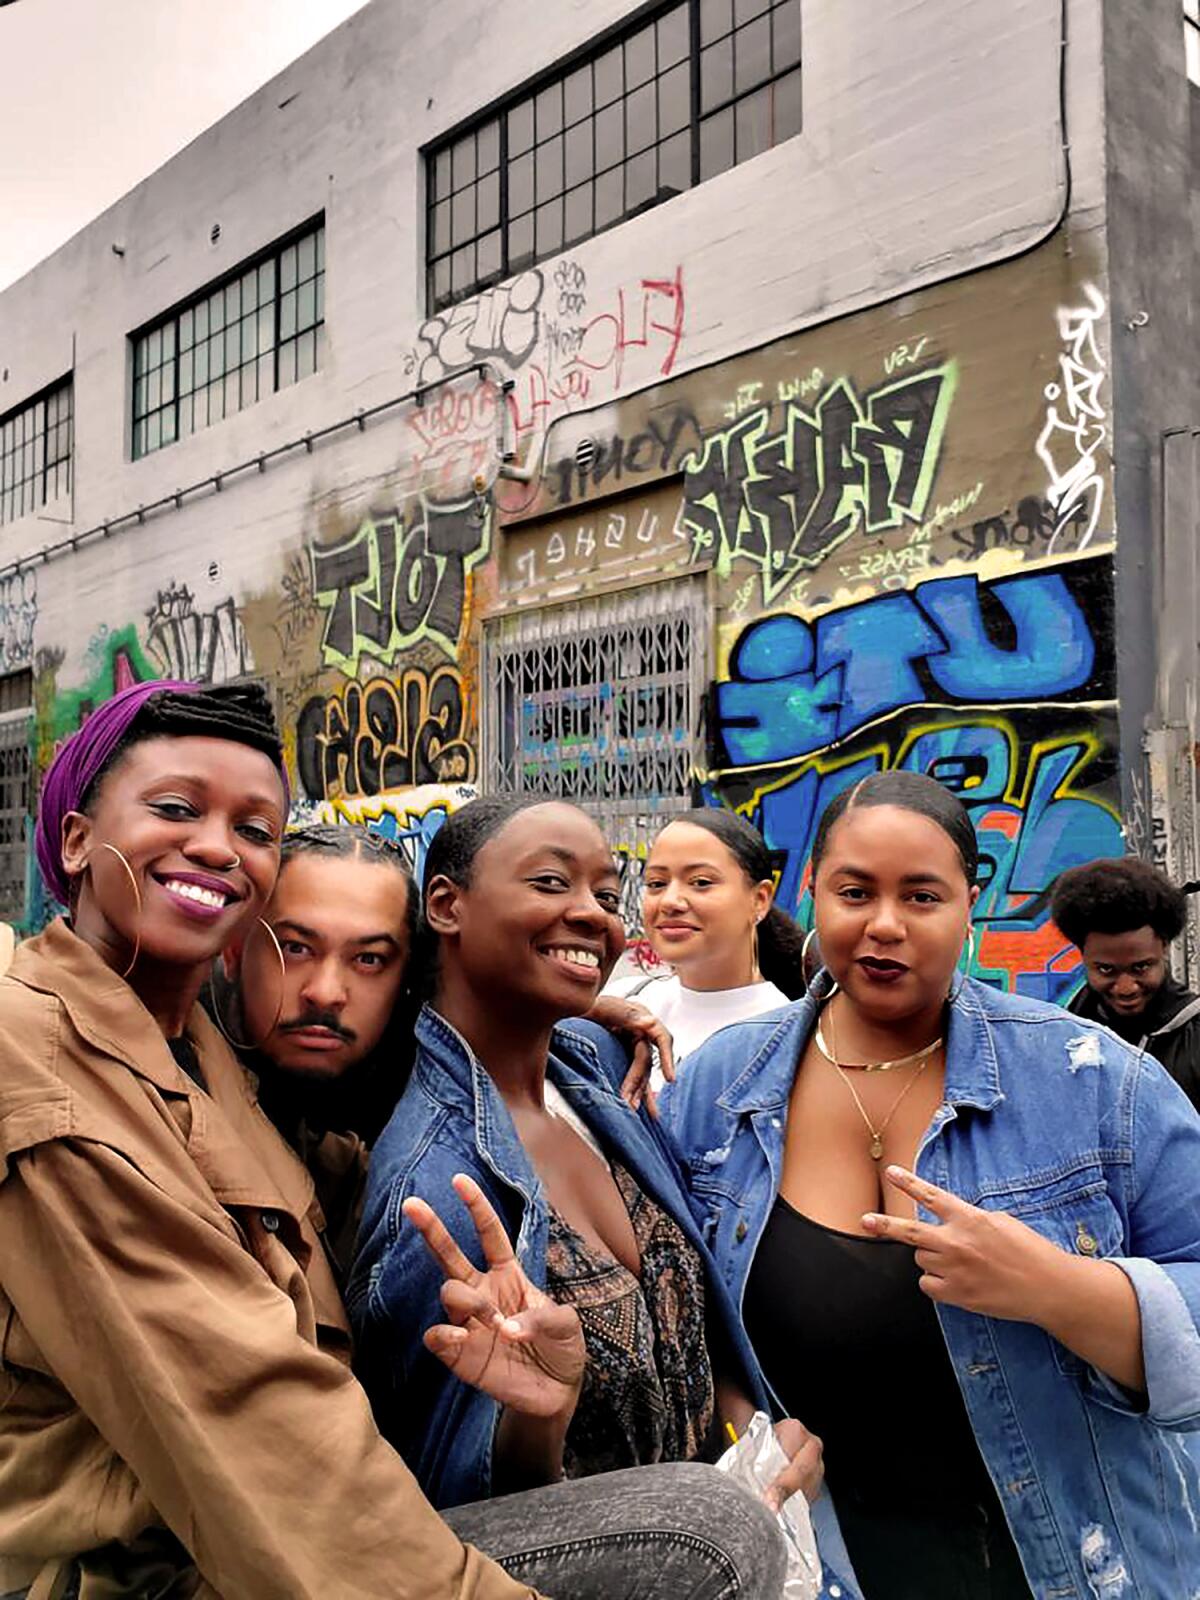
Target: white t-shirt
693, 1015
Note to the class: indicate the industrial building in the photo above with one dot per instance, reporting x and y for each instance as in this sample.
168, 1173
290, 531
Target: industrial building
712, 398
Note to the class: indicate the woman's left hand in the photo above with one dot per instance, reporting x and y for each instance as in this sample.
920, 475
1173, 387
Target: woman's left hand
984, 1261
805, 1470
639, 1025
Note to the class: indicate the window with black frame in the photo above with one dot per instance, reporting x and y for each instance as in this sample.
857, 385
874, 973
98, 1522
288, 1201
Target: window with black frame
681, 96
36, 447
253, 332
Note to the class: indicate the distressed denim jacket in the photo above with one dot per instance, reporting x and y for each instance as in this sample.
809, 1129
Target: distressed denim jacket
1055, 1121
452, 1119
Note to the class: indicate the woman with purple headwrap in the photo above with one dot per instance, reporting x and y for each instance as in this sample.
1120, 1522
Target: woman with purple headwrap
177, 1415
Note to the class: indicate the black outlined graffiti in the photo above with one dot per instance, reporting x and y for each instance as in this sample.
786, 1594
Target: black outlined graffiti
396, 581
783, 501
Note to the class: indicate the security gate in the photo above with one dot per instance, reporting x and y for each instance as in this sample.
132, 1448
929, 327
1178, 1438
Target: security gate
600, 702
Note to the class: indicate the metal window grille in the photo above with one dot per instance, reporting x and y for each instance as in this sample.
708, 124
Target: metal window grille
600, 702
14, 810
699, 87
36, 446
255, 331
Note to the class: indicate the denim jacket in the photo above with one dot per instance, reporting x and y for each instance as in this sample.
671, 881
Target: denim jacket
1055, 1121
452, 1119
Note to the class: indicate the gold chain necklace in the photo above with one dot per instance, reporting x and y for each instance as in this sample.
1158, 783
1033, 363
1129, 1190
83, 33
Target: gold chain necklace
877, 1133
875, 1066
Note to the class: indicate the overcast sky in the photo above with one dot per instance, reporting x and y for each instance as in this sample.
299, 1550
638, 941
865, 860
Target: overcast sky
95, 94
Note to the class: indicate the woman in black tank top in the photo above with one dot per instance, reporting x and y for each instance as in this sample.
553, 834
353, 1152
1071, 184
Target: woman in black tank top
846, 1337
973, 1355
848, 1342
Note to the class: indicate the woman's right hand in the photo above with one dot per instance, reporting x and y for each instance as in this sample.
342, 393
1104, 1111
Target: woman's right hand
805, 1471
505, 1336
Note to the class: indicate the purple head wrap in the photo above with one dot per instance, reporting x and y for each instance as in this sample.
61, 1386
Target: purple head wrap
80, 761
75, 768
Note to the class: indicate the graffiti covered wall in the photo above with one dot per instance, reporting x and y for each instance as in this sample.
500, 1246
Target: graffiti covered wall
906, 516
363, 617
1002, 690
692, 405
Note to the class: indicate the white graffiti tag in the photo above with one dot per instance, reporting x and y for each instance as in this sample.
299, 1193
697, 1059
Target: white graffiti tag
18, 617
1076, 426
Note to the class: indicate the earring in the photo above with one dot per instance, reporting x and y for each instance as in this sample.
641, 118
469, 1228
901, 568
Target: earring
970, 947
137, 895
755, 971
808, 939
240, 1044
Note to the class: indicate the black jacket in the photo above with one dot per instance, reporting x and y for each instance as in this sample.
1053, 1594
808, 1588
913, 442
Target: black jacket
1169, 1029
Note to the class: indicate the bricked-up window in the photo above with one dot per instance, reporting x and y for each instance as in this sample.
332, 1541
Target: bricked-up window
16, 703
256, 331
16, 691
36, 446
680, 97
1191, 39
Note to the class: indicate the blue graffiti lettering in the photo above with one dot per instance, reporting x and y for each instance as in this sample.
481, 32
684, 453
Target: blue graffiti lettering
795, 687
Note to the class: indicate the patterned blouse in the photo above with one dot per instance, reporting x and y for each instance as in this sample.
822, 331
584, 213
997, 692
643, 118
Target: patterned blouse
648, 1391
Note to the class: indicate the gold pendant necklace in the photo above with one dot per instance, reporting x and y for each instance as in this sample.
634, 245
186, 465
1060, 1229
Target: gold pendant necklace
874, 1066
877, 1133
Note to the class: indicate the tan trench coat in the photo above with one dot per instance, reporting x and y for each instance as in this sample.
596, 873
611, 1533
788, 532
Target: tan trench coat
172, 1344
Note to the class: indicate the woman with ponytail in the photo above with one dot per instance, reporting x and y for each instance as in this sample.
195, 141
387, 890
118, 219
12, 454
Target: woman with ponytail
708, 912
961, 1227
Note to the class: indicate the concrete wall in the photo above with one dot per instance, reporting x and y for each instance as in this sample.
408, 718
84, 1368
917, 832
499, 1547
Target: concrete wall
1153, 139
822, 380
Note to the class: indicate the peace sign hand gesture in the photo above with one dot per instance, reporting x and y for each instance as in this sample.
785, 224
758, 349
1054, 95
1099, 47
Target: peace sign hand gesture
504, 1336
983, 1261
988, 1262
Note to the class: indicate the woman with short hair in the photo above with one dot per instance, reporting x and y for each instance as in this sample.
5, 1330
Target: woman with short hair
528, 1264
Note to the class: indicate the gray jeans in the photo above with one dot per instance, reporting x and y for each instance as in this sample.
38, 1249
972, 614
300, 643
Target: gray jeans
652, 1533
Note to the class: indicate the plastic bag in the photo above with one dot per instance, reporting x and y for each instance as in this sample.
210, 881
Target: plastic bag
755, 1461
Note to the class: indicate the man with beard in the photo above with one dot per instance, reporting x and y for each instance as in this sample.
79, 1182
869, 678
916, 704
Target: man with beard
330, 1049
1122, 915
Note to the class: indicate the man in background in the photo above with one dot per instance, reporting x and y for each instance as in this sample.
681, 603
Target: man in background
1123, 916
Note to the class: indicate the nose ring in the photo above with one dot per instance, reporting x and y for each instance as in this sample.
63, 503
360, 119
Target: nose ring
232, 866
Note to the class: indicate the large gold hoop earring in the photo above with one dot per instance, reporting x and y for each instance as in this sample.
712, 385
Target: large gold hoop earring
970, 947
137, 895
755, 969
278, 949
808, 939
245, 1044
